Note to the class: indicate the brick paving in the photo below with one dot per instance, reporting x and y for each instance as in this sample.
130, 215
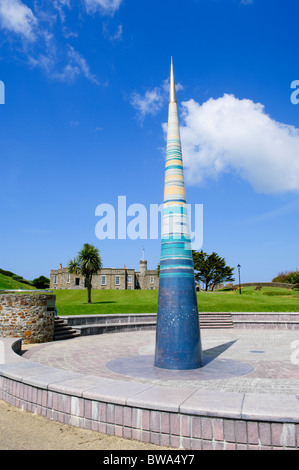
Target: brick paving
236, 360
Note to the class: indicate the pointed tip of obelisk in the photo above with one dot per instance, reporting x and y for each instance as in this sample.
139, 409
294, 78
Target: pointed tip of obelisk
172, 92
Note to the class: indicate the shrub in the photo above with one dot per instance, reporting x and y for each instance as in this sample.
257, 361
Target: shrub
15, 277
281, 277
293, 278
287, 292
6, 273
289, 277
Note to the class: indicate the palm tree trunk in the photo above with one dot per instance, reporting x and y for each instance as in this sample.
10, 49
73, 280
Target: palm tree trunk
88, 285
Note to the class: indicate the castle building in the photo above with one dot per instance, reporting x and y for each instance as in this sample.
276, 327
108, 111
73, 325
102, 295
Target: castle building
107, 278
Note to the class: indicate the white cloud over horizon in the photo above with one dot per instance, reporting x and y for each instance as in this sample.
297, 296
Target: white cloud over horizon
229, 135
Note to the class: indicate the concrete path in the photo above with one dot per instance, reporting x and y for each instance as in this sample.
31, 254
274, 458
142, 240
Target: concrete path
22, 430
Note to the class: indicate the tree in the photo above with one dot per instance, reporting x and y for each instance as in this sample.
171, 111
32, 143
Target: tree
41, 282
211, 269
87, 263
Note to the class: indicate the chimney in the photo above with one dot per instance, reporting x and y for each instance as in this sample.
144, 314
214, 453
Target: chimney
60, 266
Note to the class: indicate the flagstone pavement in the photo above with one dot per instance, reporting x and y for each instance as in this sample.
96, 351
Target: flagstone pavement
235, 360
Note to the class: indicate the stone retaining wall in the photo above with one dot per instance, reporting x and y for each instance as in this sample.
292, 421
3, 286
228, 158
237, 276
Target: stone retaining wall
29, 316
266, 284
94, 324
266, 320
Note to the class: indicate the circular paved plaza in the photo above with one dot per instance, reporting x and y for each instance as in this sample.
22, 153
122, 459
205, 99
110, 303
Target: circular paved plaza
235, 360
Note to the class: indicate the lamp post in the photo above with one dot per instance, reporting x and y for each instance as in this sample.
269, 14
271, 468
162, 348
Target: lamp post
239, 278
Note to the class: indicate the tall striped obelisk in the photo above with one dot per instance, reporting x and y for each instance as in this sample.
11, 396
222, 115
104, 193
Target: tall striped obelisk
178, 343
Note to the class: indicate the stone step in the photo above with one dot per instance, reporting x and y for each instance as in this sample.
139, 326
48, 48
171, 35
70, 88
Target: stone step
96, 328
215, 320
63, 331
115, 323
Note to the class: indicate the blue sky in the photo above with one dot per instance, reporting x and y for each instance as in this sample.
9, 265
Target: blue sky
85, 103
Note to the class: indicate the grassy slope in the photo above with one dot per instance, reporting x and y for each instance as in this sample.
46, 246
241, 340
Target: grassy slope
74, 302
9, 283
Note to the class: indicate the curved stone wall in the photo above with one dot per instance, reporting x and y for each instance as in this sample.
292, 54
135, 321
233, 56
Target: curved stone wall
196, 420
28, 316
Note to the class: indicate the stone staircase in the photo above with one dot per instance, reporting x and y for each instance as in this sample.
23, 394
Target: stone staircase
216, 320
85, 325
63, 331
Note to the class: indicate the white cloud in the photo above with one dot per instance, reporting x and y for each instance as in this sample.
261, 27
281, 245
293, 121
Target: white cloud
41, 49
67, 68
59, 5
149, 103
113, 37
286, 209
152, 101
104, 6
42, 46
17, 17
76, 66
228, 135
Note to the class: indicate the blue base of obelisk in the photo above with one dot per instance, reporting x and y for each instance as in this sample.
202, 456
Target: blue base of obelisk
178, 343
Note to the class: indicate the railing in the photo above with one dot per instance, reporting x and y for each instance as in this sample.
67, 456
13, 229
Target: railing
25, 291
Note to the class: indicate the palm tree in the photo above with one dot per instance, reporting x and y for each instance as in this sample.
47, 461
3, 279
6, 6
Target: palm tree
87, 263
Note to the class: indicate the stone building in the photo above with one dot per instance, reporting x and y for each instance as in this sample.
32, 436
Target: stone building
108, 278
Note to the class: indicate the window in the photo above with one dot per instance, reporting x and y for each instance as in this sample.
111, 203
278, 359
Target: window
55, 279
117, 280
68, 278
129, 287
103, 281
129, 279
77, 281
152, 280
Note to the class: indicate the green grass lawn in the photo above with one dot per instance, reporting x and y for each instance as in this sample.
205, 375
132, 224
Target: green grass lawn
74, 302
9, 283
269, 299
